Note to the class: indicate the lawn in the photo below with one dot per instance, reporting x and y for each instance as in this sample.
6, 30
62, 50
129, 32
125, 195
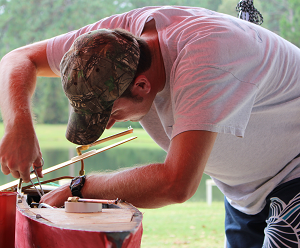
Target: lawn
190, 224
54, 135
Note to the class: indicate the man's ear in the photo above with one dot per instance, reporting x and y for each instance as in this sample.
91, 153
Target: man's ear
141, 86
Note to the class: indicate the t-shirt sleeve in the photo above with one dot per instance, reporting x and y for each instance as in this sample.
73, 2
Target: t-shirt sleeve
208, 92
151, 123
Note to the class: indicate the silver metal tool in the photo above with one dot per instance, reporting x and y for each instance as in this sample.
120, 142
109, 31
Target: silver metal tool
36, 188
37, 177
19, 188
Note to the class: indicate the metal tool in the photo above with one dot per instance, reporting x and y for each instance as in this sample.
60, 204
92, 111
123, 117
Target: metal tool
37, 177
36, 188
19, 188
78, 199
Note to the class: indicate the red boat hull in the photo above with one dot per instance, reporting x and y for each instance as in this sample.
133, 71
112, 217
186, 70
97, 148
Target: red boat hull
31, 233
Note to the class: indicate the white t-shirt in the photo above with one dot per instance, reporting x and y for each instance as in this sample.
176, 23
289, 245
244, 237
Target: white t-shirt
224, 75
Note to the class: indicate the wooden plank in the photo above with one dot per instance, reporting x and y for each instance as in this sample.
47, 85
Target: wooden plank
60, 217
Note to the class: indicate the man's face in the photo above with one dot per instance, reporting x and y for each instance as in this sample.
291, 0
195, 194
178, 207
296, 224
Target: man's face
126, 109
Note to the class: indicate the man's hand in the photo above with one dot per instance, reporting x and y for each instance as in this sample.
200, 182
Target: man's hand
19, 150
57, 197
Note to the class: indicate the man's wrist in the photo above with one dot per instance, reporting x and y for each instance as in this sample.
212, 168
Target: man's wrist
76, 185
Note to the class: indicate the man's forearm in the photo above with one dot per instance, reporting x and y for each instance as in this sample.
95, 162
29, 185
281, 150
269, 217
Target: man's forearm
19, 70
18, 79
19, 147
154, 185
144, 186
157, 185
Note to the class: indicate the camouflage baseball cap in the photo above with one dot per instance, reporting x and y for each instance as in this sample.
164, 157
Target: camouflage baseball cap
97, 69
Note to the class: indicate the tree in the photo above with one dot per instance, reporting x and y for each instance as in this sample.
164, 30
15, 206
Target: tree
55, 104
228, 7
290, 21
213, 5
25, 22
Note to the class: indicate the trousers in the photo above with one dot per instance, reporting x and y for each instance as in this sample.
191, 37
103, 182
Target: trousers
277, 225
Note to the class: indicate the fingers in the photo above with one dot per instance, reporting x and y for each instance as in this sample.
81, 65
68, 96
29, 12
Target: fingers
38, 166
22, 171
25, 175
6, 169
19, 150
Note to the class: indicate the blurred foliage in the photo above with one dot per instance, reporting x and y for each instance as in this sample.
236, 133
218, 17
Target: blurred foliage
290, 22
25, 22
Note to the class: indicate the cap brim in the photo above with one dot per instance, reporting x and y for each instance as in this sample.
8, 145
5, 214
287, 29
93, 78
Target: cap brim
84, 129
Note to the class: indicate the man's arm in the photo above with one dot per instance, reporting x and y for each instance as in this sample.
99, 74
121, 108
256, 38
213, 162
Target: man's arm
154, 185
19, 148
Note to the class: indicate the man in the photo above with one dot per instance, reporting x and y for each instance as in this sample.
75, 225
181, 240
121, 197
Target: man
221, 96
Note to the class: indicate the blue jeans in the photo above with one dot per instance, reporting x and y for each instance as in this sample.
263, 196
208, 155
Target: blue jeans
277, 225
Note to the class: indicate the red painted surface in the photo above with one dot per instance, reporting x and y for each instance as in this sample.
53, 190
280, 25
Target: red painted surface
33, 234
7, 219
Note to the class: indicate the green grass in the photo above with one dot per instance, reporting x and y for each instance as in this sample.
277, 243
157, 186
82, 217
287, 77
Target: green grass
190, 224
53, 136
